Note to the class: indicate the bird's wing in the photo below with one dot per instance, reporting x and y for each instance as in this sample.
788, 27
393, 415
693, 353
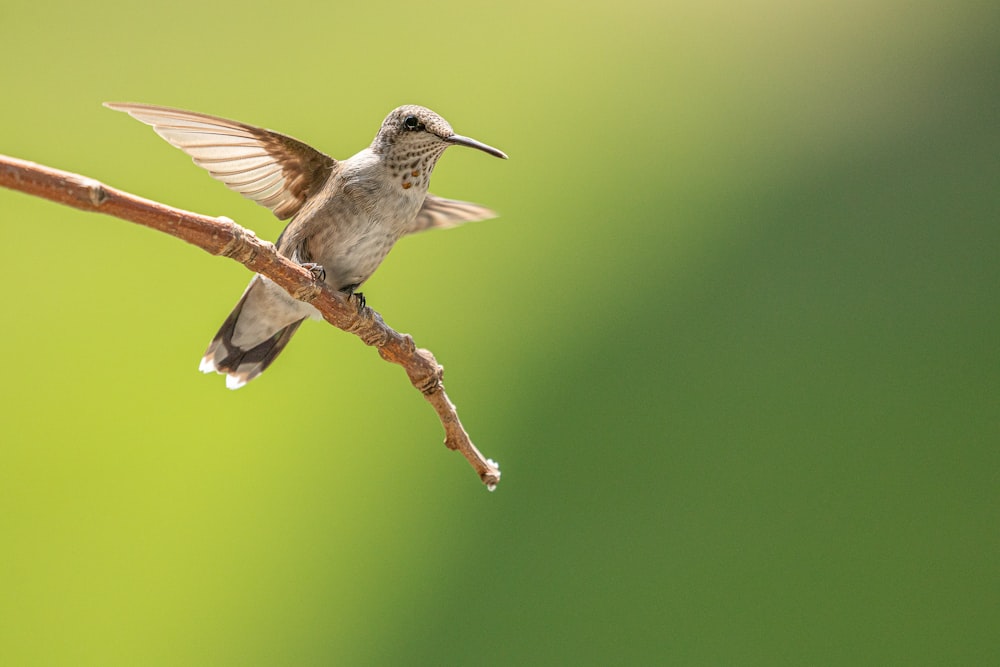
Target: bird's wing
275, 171
440, 213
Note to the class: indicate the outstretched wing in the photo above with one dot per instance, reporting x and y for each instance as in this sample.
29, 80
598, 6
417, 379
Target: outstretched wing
440, 213
274, 170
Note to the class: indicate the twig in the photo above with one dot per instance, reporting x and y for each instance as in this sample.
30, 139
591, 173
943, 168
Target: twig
222, 236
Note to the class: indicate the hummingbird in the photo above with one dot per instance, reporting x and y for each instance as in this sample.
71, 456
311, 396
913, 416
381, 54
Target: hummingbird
345, 215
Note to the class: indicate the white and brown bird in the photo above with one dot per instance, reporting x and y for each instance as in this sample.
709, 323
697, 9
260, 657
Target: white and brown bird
345, 214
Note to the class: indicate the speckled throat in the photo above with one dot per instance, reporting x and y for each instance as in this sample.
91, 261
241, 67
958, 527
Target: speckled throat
411, 161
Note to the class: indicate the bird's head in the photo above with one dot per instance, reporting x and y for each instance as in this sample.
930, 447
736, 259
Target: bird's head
413, 131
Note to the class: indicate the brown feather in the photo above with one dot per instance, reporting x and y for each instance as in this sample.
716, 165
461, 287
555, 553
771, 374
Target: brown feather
272, 169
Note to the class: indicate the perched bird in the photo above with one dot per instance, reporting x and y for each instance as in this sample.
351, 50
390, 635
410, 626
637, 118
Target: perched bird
345, 214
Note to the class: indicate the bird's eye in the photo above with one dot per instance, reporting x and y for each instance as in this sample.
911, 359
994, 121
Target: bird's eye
411, 123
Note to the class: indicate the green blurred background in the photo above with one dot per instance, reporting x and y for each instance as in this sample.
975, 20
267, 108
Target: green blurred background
734, 341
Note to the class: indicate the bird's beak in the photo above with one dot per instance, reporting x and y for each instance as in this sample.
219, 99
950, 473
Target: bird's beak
459, 140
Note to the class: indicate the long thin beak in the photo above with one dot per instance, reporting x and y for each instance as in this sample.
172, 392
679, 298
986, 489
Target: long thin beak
459, 140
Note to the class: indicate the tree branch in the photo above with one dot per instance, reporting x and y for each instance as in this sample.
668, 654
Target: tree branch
222, 236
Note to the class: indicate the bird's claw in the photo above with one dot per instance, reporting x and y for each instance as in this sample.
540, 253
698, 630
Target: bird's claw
359, 298
318, 272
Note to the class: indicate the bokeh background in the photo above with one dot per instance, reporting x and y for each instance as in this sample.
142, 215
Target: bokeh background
734, 341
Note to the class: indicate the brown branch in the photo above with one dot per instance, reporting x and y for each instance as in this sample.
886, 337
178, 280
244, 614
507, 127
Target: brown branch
222, 236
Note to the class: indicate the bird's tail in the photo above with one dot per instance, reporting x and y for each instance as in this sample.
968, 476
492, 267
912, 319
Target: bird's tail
242, 364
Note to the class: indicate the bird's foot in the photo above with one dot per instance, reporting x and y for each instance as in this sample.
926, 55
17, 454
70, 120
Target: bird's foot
319, 273
359, 298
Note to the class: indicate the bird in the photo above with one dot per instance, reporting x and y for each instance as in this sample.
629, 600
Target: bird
345, 215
